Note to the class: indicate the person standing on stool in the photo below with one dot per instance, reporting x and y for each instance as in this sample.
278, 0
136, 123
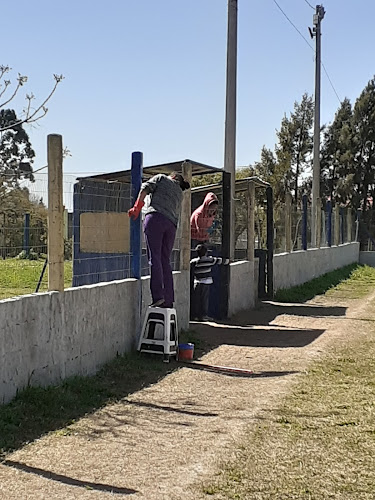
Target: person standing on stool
159, 227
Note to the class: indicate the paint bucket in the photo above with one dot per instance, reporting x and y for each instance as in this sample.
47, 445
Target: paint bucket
185, 352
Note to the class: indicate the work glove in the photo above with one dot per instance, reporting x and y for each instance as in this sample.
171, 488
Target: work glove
136, 210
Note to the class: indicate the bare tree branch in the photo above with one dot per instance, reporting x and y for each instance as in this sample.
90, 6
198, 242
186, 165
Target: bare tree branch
39, 112
6, 84
21, 81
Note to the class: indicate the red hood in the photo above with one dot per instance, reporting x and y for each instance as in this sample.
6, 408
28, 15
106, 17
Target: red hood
200, 220
210, 198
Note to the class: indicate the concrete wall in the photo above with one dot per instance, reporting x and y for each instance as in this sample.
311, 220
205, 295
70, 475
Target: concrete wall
291, 269
243, 286
47, 337
367, 258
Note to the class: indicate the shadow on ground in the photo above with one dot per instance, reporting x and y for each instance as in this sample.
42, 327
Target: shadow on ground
255, 329
68, 480
37, 411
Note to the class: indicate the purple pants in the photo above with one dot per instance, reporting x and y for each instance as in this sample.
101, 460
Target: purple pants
160, 233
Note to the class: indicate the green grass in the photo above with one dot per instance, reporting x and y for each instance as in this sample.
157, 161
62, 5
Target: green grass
320, 444
353, 281
20, 277
37, 411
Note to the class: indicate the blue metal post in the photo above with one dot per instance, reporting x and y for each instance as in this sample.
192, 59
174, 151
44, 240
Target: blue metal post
135, 225
26, 234
304, 222
329, 223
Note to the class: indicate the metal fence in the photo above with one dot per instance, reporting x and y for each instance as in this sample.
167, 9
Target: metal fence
96, 231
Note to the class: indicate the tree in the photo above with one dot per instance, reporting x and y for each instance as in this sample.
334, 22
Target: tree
295, 142
337, 157
16, 153
364, 147
31, 113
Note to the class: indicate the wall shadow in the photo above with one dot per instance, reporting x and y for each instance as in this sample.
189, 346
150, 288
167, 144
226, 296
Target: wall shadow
68, 480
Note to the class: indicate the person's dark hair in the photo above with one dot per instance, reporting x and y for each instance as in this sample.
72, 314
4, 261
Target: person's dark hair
179, 178
201, 250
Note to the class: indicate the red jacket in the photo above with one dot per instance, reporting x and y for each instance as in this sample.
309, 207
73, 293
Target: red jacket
200, 221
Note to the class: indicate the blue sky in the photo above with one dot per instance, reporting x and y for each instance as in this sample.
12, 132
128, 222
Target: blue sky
149, 75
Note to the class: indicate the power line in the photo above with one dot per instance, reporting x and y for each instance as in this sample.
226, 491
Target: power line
311, 47
309, 4
294, 26
330, 81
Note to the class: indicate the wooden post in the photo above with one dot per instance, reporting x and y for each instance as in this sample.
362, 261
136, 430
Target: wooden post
270, 235
66, 224
337, 225
185, 243
304, 222
55, 214
318, 218
26, 235
288, 223
349, 224
250, 220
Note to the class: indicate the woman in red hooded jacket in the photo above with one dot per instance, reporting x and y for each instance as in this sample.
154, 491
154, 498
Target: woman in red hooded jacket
202, 219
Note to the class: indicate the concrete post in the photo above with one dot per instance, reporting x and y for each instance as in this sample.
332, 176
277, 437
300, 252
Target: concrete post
349, 224
288, 223
318, 219
230, 114
185, 243
55, 214
337, 225
250, 220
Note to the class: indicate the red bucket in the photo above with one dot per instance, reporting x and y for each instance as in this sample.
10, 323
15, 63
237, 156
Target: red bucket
185, 352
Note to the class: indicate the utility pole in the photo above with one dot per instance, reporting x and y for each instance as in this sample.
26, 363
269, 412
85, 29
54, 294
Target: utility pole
230, 113
315, 32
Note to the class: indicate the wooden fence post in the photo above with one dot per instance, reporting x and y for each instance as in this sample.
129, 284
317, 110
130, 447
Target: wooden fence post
250, 220
55, 213
349, 224
318, 218
288, 223
337, 225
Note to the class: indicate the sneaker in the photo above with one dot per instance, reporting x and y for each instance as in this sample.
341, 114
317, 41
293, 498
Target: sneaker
157, 303
207, 318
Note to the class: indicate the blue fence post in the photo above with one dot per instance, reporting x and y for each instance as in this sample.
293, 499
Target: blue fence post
135, 225
26, 234
329, 223
304, 222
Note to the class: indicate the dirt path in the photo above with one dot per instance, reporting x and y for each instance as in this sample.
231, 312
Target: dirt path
162, 442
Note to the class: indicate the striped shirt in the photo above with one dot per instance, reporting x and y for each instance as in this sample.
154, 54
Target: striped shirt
203, 267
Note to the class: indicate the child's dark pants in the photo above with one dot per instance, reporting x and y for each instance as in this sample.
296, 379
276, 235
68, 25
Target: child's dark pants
200, 300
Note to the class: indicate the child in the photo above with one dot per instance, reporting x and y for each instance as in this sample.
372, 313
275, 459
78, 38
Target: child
202, 219
201, 267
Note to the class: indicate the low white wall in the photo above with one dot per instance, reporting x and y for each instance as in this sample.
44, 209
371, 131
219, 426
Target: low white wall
243, 286
295, 268
47, 337
367, 258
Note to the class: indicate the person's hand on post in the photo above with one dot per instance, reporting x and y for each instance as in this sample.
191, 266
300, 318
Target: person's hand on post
136, 210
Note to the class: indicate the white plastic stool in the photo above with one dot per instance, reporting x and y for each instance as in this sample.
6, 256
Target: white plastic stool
159, 332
